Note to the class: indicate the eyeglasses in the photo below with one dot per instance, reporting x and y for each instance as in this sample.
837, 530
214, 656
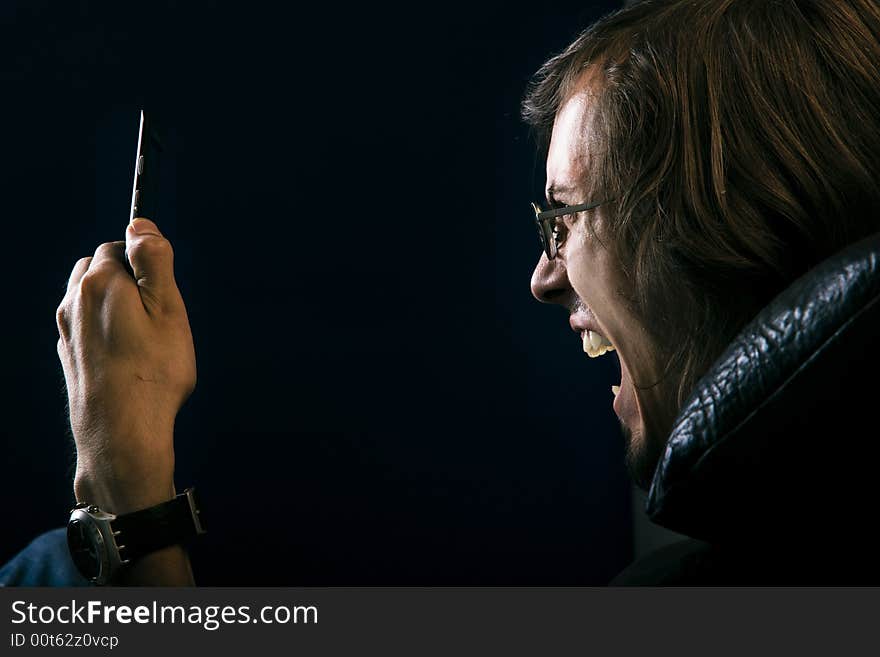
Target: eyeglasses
548, 228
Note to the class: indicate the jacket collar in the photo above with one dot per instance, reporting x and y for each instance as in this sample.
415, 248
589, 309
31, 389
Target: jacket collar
779, 436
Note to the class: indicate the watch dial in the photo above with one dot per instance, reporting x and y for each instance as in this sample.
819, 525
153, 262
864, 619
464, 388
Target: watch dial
83, 546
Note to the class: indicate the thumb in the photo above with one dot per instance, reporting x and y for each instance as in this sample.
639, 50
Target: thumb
152, 261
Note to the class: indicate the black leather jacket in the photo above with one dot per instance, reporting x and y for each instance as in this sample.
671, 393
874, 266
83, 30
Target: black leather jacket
772, 464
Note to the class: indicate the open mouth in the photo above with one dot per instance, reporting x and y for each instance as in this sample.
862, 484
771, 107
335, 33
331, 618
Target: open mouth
595, 345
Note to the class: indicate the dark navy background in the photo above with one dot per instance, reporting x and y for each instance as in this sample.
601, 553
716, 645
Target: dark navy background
380, 400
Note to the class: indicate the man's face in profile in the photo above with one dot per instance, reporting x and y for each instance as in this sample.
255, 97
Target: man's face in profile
585, 278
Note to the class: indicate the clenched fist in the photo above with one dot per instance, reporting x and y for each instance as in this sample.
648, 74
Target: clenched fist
128, 359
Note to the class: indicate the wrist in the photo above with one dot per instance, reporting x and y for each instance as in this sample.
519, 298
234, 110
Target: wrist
123, 487
139, 547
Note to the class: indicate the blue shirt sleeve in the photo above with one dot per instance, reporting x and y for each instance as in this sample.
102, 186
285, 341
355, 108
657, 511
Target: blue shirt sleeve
45, 562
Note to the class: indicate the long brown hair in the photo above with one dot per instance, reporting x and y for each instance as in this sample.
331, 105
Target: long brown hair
740, 141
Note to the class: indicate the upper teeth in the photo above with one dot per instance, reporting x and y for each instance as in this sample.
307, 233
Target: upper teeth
595, 344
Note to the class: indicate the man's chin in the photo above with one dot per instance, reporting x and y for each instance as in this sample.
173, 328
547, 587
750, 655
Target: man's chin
641, 456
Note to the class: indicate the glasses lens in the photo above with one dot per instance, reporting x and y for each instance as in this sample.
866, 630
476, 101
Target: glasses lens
545, 233
541, 235
548, 239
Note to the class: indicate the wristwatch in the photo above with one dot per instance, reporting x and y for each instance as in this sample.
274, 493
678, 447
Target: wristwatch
101, 543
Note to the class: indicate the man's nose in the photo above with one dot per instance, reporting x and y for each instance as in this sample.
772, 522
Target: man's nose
550, 281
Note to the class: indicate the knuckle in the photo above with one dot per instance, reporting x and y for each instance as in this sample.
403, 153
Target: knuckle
81, 266
61, 320
154, 246
94, 283
104, 248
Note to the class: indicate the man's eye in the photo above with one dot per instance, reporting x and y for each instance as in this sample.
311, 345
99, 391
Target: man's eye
559, 230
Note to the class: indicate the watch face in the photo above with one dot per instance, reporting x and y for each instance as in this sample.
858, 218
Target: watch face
86, 547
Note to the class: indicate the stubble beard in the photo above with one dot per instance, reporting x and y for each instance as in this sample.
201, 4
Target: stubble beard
641, 456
